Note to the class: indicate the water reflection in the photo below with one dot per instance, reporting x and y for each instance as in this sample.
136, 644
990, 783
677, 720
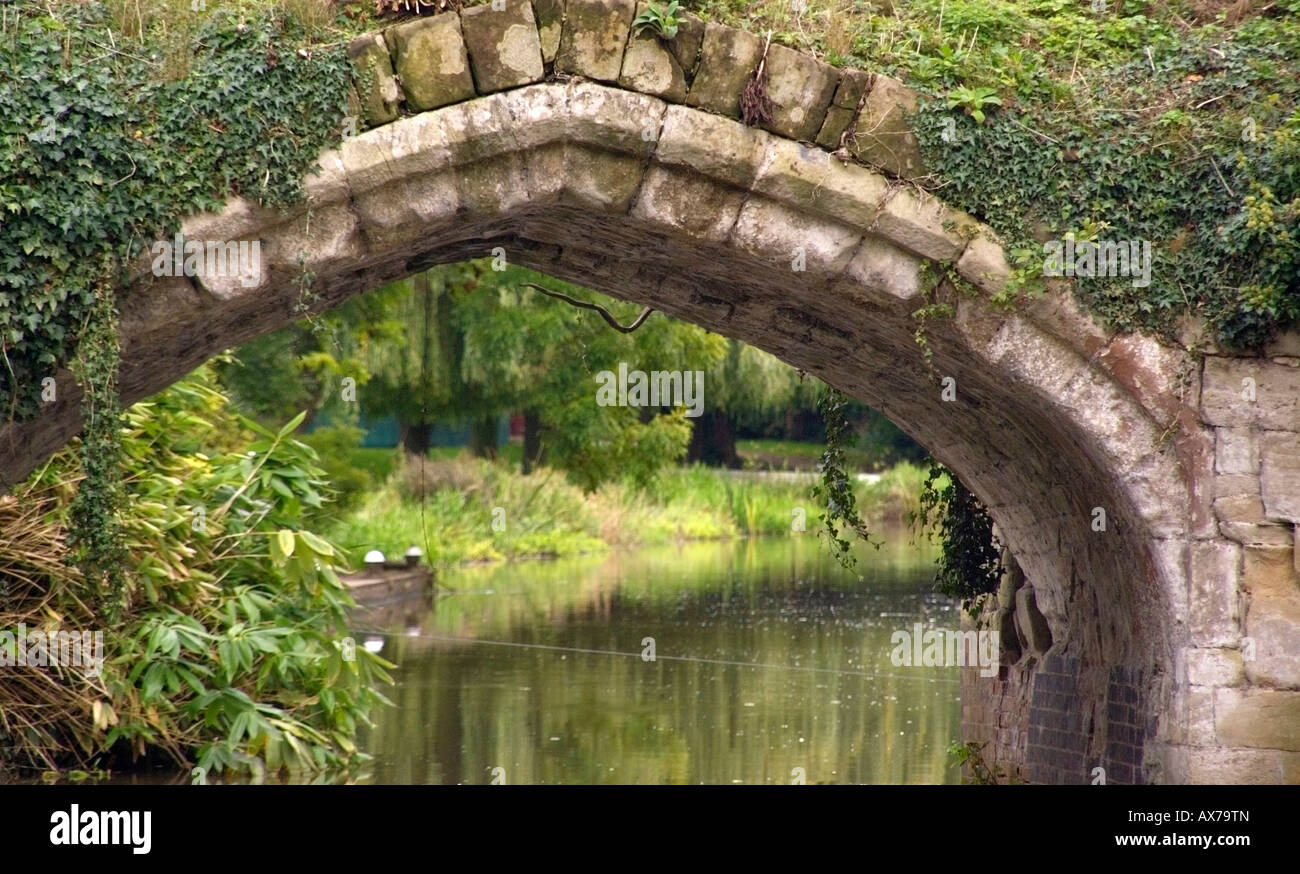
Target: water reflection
769, 657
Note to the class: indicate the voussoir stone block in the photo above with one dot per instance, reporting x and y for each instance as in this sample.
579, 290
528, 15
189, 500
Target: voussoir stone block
886, 276
849, 92
622, 121
728, 58
797, 242
376, 87
921, 223
813, 180
678, 199
984, 264
504, 48
651, 68
883, 137
431, 61
716, 147
594, 36
801, 88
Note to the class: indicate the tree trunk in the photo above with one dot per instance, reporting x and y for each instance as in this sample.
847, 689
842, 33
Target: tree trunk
483, 436
533, 454
713, 441
415, 437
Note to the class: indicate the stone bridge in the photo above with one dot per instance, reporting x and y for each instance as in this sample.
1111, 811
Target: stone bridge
1149, 493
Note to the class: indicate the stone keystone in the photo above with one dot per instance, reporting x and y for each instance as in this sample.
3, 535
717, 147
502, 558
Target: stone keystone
504, 48
431, 61
727, 60
376, 87
882, 137
594, 36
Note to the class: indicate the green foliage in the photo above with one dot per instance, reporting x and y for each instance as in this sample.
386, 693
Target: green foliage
1135, 122
229, 652
662, 20
103, 154
95, 534
973, 100
971, 756
970, 559
836, 491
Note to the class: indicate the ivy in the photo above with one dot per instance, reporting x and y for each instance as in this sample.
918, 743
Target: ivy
836, 489
103, 155
970, 557
95, 534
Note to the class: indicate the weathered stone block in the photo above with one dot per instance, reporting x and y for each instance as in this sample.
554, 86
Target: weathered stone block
431, 61
849, 91
601, 180
800, 87
594, 36
621, 121
1242, 767
728, 59
1273, 617
376, 87
716, 147
1058, 312
649, 66
984, 264
1257, 718
797, 242
686, 45
504, 48
1213, 611
676, 199
1031, 622
810, 179
550, 19
1214, 667
883, 137
1230, 384
1236, 450
1279, 475
885, 276
922, 224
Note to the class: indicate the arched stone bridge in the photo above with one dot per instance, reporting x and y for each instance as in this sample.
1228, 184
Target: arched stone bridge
1164, 648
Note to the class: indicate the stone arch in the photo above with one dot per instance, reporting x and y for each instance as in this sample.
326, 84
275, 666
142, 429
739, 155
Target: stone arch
665, 199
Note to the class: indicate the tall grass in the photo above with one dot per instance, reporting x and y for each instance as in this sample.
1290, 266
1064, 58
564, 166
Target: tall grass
459, 509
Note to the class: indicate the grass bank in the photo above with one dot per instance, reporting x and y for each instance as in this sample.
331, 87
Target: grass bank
461, 509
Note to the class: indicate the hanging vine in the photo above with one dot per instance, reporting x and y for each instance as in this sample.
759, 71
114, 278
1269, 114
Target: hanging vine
96, 530
836, 489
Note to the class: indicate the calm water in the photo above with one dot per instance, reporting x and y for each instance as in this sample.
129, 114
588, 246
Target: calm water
769, 658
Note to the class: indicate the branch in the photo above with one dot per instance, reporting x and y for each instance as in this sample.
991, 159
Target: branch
613, 323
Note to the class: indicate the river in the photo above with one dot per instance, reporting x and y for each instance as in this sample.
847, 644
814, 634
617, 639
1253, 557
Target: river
770, 664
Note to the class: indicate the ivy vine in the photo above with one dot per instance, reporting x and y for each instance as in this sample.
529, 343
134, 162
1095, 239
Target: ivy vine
970, 557
836, 489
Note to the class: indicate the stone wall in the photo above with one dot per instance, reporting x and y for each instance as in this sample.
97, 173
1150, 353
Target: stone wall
1163, 645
